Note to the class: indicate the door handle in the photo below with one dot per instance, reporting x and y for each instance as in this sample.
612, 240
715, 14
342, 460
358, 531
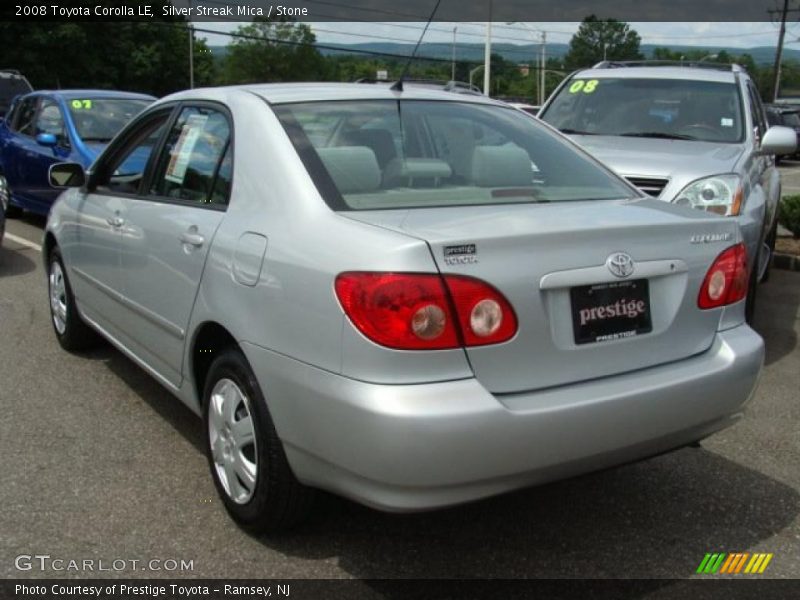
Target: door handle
115, 221
191, 238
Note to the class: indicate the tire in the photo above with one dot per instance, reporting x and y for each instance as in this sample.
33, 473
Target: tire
253, 478
772, 237
12, 212
71, 332
752, 290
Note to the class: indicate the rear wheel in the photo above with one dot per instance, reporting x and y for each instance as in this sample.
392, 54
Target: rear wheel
772, 237
246, 457
72, 333
752, 290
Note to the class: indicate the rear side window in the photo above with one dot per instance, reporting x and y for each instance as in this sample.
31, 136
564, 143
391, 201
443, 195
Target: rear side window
25, 116
196, 163
387, 154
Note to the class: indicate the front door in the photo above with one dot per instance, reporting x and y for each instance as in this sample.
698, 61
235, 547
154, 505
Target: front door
92, 244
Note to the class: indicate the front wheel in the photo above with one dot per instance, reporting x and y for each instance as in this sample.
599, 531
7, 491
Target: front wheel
72, 333
247, 460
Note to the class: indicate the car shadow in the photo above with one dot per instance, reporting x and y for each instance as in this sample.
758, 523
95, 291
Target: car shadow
168, 407
653, 519
14, 260
776, 313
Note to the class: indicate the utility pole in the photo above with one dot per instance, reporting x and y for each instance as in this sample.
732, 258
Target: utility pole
542, 66
487, 57
191, 48
779, 52
453, 74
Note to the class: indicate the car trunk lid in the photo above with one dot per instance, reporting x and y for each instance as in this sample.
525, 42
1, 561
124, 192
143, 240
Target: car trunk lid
550, 261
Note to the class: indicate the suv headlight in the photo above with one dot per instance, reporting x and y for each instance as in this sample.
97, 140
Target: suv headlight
721, 194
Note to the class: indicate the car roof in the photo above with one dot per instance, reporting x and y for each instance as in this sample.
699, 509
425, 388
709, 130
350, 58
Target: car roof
88, 93
283, 93
660, 72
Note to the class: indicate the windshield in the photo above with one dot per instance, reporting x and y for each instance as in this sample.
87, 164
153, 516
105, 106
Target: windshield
661, 108
99, 119
402, 154
791, 119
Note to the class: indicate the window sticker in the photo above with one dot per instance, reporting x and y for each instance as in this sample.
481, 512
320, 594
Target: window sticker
81, 104
179, 157
726, 122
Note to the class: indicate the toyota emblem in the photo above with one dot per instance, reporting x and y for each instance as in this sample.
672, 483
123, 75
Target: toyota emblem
620, 264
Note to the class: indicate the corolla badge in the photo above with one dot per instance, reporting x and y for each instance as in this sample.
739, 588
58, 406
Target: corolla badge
620, 264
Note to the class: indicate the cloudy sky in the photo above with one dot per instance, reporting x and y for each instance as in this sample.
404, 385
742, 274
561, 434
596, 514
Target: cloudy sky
738, 35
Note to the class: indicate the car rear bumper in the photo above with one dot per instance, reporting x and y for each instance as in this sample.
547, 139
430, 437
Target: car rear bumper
416, 447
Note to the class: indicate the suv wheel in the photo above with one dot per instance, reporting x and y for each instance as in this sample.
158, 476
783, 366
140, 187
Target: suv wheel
246, 457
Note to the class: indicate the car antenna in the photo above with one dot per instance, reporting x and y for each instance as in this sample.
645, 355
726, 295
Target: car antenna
398, 85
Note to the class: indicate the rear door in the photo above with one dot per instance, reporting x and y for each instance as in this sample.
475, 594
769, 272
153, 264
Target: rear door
169, 229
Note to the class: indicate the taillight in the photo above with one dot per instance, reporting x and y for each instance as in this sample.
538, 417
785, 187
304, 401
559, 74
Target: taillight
414, 311
485, 316
726, 280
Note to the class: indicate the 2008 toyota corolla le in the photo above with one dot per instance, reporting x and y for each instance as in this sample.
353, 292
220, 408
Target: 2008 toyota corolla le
412, 298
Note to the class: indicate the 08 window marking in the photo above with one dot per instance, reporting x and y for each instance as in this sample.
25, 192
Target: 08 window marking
587, 87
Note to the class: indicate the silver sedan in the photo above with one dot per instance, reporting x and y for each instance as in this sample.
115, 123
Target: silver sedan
412, 298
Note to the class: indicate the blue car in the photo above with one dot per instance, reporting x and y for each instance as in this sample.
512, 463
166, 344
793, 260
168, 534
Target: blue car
47, 127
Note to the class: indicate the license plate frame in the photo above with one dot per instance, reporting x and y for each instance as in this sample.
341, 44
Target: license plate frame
609, 311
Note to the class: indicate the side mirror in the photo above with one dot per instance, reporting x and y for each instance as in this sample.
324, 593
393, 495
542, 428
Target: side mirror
779, 140
67, 175
46, 139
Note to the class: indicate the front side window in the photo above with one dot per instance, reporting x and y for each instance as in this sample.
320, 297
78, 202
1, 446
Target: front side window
123, 168
99, 119
397, 154
195, 163
50, 121
646, 107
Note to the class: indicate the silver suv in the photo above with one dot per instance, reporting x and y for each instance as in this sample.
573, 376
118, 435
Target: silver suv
694, 134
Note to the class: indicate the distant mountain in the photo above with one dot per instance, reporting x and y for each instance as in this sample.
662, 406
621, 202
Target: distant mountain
523, 53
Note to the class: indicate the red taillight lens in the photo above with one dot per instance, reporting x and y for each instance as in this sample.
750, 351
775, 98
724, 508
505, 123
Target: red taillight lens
407, 311
412, 311
485, 316
726, 280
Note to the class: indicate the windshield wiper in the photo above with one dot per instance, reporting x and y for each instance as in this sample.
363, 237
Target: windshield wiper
658, 134
576, 132
96, 139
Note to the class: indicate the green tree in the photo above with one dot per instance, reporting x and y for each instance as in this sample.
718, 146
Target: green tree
597, 39
270, 51
148, 55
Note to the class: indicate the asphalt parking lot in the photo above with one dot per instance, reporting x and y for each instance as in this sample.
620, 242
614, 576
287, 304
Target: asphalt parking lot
99, 462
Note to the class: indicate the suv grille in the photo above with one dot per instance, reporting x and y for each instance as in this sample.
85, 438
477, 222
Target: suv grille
652, 186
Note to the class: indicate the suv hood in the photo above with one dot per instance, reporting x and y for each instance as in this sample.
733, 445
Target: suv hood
679, 161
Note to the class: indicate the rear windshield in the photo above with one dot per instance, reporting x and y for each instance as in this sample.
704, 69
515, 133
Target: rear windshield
99, 119
666, 108
402, 154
